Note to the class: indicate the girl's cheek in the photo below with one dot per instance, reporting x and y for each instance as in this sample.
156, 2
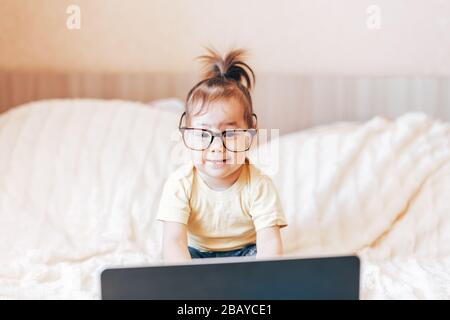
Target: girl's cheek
236, 158
232, 157
241, 157
197, 157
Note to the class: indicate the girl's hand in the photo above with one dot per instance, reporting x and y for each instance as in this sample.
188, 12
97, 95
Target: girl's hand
268, 242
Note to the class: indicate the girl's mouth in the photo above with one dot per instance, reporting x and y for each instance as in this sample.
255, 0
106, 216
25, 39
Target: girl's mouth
216, 163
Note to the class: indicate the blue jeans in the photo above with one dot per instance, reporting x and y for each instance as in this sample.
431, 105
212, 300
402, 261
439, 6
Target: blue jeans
249, 250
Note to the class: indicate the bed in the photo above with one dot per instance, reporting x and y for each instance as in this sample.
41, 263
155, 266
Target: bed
80, 181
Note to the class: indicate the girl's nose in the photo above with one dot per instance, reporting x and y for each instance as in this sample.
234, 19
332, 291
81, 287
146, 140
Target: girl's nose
216, 145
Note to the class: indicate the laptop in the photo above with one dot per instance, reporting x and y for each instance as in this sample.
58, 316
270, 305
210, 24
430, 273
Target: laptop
237, 279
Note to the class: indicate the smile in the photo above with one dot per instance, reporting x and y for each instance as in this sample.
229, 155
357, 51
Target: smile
217, 161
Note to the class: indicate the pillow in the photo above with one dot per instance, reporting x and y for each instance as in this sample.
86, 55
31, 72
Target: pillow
174, 105
82, 177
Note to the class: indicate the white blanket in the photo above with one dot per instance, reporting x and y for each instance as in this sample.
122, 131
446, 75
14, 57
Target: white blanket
378, 189
80, 182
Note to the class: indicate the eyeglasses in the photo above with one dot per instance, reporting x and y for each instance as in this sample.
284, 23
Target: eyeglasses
234, 140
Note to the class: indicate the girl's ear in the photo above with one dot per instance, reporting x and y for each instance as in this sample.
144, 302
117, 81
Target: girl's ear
255, 121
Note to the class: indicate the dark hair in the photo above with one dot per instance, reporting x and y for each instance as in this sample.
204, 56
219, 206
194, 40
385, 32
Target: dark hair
224, 78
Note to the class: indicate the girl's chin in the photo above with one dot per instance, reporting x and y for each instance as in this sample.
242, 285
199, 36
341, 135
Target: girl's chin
216, 170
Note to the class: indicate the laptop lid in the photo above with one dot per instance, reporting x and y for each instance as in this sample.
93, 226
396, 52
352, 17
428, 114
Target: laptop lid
236, 279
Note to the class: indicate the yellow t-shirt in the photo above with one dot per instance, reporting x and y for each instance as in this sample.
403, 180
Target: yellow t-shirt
221, 220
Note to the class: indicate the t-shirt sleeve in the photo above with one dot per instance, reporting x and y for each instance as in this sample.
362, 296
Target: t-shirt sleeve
266, 209
174, 203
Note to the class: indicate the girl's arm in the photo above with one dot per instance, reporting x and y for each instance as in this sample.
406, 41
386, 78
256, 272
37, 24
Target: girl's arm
175, 246
268, 242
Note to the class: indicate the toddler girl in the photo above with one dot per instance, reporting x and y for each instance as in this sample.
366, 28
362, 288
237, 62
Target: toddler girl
220, 205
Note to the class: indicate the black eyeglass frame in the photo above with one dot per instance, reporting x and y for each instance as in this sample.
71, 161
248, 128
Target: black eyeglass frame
221, 135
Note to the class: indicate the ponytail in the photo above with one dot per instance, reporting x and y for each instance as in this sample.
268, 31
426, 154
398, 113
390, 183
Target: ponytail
223, 78
231, 67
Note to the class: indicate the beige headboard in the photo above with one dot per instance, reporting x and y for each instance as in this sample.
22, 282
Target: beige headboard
286, 102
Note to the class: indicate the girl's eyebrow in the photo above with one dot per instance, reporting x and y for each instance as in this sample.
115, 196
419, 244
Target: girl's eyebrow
229, 123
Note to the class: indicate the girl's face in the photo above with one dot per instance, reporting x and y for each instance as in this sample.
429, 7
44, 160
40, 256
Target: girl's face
219, 116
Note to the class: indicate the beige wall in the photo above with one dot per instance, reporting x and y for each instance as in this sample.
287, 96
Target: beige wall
300, 36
